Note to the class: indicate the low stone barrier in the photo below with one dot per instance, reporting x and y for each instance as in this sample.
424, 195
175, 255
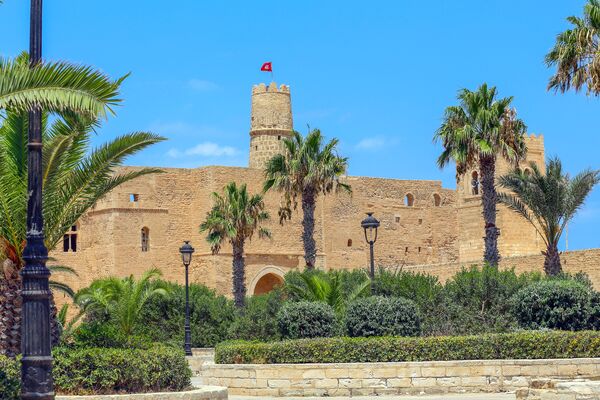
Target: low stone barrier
356, 379
547, 389
204, 393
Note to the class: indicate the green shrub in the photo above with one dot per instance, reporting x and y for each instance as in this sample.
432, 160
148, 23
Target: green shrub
382, 316
258, 320
211, 315
553, 304
10, 378
519, 345
305, 319
106, 334
83, 371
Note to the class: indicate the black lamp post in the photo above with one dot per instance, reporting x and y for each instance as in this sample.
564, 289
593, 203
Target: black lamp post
370, 225
186, 256
36, 365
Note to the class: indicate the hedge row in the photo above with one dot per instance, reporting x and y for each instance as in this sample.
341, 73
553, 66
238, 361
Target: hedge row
108, 371
520, 345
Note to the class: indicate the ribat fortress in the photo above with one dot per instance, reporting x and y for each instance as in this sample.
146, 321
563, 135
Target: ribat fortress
143, 223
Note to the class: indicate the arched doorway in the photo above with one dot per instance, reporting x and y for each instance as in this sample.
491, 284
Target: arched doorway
266, 280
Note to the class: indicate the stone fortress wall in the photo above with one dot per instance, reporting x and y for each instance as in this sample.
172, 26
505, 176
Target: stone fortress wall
422, 223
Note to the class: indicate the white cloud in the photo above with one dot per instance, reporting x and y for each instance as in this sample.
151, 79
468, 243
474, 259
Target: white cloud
202, 85
205, 149
371, 143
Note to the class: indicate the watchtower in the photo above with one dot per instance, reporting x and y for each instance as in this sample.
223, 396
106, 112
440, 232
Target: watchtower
270, 122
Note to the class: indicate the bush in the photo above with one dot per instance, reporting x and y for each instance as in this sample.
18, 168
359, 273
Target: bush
106, 371
553, 304
10, 378
107, 335
85, 371
258, 320
305, 319
382, 316
520, 345
211, 315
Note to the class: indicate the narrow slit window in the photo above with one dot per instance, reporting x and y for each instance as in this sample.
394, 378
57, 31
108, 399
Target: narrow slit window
70, 240
145, 239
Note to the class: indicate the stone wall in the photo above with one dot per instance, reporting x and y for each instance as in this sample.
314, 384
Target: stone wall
587, 261
358, 379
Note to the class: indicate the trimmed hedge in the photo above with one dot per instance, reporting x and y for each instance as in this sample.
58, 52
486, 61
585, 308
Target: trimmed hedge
86, 371
306, 319
520, 345
383, 316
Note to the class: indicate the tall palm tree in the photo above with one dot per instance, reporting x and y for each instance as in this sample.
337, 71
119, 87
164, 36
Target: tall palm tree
122, 299
307, 168
475, 133
56, 87
548, 201
235, 217
74, 179
576, 53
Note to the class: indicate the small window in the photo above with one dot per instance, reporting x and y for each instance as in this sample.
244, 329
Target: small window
406, 249
475, 183
437, 200
145, 239
134, 198
397, 219
349, 242
409, 200
420, 221
279, 137
70, 240
255, 147
419, 249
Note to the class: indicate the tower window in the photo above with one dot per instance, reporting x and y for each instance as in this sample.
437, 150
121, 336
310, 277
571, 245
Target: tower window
70, 240
419, 249
420, 221
134, 198
349, 242
409, 200
475, 183
255, 147
397, 219
406, 249
279, 137
145, 239
437, 200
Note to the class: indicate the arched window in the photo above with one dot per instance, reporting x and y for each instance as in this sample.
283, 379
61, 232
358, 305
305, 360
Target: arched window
145, 239
437, 200
475, 183
349, 242
70, 240
409, 200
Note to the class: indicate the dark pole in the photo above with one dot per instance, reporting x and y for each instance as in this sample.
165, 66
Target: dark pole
188, 334
36, 365
371, 243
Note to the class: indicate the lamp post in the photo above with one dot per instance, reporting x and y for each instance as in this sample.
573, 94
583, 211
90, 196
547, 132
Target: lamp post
370, 225
186, 257
36, 365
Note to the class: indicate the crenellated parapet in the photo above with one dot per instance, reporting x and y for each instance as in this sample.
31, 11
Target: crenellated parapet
272, 88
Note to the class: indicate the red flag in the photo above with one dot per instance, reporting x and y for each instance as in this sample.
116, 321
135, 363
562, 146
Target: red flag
268, 67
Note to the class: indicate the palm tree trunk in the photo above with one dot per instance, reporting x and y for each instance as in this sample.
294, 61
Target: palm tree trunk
239, 275
552, 265
10, 310
308, 225
489, 198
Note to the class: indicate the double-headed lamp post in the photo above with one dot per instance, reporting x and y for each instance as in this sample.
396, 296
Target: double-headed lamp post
370, 225
186, 257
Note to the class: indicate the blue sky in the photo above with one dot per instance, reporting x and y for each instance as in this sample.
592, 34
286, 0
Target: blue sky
376, 74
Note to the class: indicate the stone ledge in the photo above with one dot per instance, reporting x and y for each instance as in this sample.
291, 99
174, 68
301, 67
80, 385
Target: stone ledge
204, 393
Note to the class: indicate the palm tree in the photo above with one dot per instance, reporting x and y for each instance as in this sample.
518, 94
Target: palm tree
306, 169
74, 179
576, 53
548, 201
122, 299
327, 288
476, 132
235, 217
56, 87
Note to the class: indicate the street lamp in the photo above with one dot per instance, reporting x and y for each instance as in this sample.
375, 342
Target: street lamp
186, 257
370, 225
36, 364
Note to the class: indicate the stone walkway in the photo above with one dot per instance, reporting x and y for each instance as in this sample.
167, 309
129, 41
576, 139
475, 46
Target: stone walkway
481, 396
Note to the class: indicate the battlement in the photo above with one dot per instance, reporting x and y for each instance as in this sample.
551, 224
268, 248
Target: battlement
272, 88
535, 142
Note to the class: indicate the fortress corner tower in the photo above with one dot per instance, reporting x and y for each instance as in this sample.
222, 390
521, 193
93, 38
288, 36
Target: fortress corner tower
270, 121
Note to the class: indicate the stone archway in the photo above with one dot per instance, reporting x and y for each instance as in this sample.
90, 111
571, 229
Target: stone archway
266, 280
